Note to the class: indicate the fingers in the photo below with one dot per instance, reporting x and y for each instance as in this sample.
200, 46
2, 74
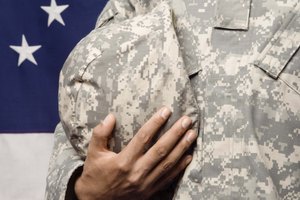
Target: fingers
102, 133
136, 147
168, 178
172, 158
166, 143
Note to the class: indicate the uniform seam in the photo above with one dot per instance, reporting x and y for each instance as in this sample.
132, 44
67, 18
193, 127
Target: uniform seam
289, 85
274, 40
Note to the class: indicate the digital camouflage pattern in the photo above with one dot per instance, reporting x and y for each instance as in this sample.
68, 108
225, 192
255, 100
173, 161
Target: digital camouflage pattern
243, 59
129, 69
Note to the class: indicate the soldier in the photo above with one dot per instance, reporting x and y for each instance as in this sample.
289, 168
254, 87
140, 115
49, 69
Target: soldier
231, 67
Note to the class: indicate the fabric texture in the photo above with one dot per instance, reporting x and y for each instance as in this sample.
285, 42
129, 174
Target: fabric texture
237, 17
246, 84
129, 69
63, 162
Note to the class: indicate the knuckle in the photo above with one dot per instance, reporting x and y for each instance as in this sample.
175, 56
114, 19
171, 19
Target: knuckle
123, 167
134, 181
184, 145
161, 151
158, 120
144, 137
178, 131
167, 165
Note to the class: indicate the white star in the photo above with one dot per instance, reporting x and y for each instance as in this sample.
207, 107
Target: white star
54, 12
25, 51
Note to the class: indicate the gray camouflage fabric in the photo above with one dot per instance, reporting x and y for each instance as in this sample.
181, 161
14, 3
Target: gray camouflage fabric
243, 62
130, 69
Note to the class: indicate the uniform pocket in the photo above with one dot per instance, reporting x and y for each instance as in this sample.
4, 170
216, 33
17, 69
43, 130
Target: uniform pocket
280, 59
232, 14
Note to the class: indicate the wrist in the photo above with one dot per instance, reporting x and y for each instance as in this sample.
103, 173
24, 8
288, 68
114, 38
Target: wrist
70, 192
84, 190
78, 189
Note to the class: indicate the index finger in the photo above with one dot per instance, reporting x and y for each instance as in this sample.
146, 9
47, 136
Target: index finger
136, 146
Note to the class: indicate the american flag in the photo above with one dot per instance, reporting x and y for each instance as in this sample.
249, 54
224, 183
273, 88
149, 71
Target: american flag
36, 37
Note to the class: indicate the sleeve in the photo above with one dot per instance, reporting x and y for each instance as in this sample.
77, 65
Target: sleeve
65, 164
64, 167
100, 76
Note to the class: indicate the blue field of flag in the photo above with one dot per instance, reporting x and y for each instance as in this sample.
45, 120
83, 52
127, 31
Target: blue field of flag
36, 37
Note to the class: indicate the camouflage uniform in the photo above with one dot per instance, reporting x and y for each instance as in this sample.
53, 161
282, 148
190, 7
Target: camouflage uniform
243, 64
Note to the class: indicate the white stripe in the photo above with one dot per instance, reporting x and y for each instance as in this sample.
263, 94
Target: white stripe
23, 165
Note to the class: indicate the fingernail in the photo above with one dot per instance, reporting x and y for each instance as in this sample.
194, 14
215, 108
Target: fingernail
191, 136
188, 160
107, 119
186, 122
165, 113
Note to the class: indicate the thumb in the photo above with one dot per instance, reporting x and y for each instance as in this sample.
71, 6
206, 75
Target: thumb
102, 133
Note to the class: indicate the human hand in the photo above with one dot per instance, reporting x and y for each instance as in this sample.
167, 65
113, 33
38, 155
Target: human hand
134, 173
